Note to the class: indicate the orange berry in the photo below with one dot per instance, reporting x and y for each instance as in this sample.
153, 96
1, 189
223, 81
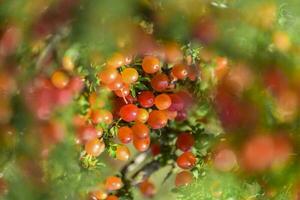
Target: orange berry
162, 101
116, 60
113, 183
180, 71
141, 144
150, 64
102, 116
94, 147
108, 75
140, 130
160, 82
122, 153
147, 188
187, 160
128, 112
125, 134
130, 75
157, 119
112, 197
183, 178
142, 115
60, 79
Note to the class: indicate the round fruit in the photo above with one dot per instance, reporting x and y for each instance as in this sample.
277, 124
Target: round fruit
123, 92
100, 195
116, 60
102, 116
187, 160
141, 144
125, 134
171, 114
183, 178
130, 75
155, 149
146, 99
94, 147
150, 64
177, 103
117, 84
160, 82
147, 188
140, 130
162, 101
86, 133
142, 115
95, 102
108, 75
180, 71
157, 119
112, 197
225, 160
129, 112
122, 153
113, 183
60, 79
185, 141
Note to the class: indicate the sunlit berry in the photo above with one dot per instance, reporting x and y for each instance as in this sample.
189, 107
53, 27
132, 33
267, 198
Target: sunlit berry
146, 99
113, 183
128, 112
150, 64
142, 115
112, 197
147, 188
123, 92
116, 60
122, 153
140, 130
108, 75
125, 134
187, 160
94, 147
129, 75
183, 178
99, 194
177, 103
160, 82
68, 63
117, 84
102, 116
185, 141
162, 101
141, 144
60, 79
180, 71
157, 119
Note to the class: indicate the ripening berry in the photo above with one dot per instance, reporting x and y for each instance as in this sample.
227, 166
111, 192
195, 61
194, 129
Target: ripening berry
180, 71
224, 160
160, 82
101, 116
95, 101
129, 75
150, 64
86, 133
108, 75
60, 79
141, 144
185, 141
142, 115
123, 92
147, 188
171, 114
222, 68
125, 134
68, 63
116, 60
177, 102
128, 112
99, 195
183, 178
187, 160
112, 197
146, 99
157, 119
94, 147
140, 130
113, 183
162, 101
122, 153
117, 84
155, 149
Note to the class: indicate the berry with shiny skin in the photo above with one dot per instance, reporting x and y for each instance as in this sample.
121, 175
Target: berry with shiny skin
147, 188
94, 147
108, 75
129, 112
150, 64
101, 116
125, 134
60, 79
183, 178
157, 119
141, 144
113, 183
187, 160
185, 141
160, 82
142, 115
129, 75
162, 101
146, 99
140, 130
180, 71
122, 153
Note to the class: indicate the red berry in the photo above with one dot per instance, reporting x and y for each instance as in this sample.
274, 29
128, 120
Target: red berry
157, 119
185, 141
94, 147
122, 153
183, 178
60, 79
112, 197
113, 183
125, 134
130, 75
140, 130
146, 99
123, 92
128, 112
160, 82
142, 115
162, 101
150, 64
155, 149
147, 188
177, 103
117, 84
108, 75
180, 71
187, 160
102, 116
141, 144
